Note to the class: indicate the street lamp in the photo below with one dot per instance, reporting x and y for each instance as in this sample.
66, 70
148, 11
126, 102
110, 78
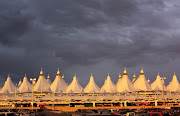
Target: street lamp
162, 78
170, 89
53, 98
15, 89
33, 80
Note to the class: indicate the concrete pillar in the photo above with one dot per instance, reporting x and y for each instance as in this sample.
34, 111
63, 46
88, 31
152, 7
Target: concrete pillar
156, 104
121, 104
125, 103
94, 104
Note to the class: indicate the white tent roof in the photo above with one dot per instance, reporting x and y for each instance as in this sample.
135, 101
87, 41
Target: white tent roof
91, 86
174, 84
42, 85
20, 82
82, 90
48, 79
25, 86
102, 88
103, 91
58, 83
119, 79
125, 84
158, 83
63, 76
8, 86
134, 78
109, 86
157, 89
141, 82
60, 91
69, 91
75, 87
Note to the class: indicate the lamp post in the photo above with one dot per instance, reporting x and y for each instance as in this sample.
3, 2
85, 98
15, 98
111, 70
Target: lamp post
53, 98
33, 80
41, 88
137, 96
15, 89
162, 78
170, 89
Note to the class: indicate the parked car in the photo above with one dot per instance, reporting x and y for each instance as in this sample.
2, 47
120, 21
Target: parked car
130, 114
83, 112
154, 114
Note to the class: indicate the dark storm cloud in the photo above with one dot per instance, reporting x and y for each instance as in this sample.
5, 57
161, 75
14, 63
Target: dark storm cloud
14, 23
70, 34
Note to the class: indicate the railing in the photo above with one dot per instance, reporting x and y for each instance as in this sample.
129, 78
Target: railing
105, 107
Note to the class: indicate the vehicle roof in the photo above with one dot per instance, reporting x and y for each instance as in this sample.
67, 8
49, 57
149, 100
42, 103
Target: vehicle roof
154, 113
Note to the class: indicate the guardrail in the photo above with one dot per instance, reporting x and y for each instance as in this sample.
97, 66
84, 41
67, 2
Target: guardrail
65, 108
105, 107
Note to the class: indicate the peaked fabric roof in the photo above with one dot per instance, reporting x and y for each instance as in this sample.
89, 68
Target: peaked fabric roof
63, 76
25, 86
148, 80
48, 79
174, 84
109, 86
42, 85
91, 86
20, 82
157, 89
58, 83
119, 79
158, 83
9, 87
141, 82
125, 84
69, 91
102, 88
134, 78
75, 87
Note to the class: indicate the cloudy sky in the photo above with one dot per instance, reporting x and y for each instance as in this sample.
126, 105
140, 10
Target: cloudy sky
81, 37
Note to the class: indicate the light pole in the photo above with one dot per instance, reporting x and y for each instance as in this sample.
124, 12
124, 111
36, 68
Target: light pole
53, 98
15, 89
170, 89
33, 80
137, 96
162, 79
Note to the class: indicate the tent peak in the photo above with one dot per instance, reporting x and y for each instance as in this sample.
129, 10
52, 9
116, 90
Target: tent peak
91, 74
75, 78
174, 73
134, 76
58, 72
48, 77
91, 78
108, 77
119, 75
142, 71
158, 74
8, 78
125, 71
41, 72
63, 76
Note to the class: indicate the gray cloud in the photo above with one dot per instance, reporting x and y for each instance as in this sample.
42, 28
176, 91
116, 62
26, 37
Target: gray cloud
88, 35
